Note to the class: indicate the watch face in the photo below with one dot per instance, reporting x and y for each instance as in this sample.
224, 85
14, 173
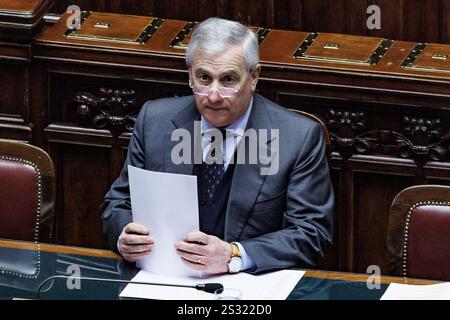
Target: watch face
235, 264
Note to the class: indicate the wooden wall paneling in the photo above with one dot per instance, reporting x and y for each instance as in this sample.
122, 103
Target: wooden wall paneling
371, 128
414, 20
331, 260
346, 213
392, 19
314, 17
131, 7
84, 179
240, 11
283, 14
15, 130
324, 16
336, 16
223, 8
371, 220
422, 20
296, 13
13, 89
257, 15
118, 155
445, 21
357, 20
185, 10
166, 9
205, 9
14, 52
14, 106
348, 88
60, 6
39, 104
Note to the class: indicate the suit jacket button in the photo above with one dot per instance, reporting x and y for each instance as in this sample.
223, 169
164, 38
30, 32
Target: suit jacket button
202, 202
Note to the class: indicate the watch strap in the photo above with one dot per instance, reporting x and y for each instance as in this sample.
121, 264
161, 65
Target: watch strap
235, 250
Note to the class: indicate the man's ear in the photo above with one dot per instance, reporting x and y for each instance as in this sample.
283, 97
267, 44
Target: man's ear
255, 76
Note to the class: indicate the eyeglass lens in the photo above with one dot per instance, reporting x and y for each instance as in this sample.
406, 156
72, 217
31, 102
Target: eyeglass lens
224, 92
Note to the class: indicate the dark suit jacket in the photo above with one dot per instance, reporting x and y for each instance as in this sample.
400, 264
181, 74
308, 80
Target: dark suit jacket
282, 220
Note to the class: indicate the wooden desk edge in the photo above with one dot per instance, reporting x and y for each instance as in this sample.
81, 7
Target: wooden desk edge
59, 249
360, 277
323, 274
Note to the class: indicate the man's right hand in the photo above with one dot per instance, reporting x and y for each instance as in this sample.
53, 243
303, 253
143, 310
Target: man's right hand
135, 242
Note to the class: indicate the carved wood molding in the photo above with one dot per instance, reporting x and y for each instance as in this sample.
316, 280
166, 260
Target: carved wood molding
421, 139
112, 109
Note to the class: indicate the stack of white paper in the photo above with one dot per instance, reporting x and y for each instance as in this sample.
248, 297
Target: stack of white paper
271, 286
397, 291
167, 205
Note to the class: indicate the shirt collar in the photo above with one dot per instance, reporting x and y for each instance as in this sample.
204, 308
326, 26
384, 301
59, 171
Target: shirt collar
235, 128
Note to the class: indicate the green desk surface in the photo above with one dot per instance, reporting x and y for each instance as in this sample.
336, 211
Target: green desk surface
24, 266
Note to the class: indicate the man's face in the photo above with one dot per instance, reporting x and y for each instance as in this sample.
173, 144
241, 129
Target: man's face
225, 69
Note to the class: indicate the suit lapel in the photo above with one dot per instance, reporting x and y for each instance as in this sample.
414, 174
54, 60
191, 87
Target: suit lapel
247, 178
186, 120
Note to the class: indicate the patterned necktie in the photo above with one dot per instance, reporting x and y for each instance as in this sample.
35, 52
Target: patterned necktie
213, 167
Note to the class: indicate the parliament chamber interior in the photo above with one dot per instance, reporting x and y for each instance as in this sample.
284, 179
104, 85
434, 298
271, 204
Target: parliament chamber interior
374, 74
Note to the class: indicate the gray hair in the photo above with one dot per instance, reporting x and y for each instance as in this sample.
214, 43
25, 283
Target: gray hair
215, 35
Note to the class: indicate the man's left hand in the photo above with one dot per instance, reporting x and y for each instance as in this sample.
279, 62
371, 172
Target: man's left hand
204, 253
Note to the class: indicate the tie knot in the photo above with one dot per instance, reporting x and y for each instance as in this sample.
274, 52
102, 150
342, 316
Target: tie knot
216, 132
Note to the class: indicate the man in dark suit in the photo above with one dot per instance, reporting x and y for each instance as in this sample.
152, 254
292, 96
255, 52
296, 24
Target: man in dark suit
251, 218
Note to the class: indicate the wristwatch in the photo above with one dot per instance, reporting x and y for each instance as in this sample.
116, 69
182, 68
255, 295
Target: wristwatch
235, 263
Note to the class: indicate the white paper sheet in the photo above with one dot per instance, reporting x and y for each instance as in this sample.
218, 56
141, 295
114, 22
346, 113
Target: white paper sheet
167, 205
397, 291
271, 286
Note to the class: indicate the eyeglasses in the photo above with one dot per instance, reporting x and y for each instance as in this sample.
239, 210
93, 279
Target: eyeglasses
224, 92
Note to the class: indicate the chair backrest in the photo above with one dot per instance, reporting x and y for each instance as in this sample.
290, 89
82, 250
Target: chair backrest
418, 241
27, 192
326, 133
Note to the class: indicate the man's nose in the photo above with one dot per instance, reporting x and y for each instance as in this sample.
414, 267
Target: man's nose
214, 95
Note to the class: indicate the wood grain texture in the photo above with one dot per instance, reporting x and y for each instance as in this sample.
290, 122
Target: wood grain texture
422, 20
412, 20
392, 20
345, 276
369, 238
12, 104
22, 245
445, 21
25, 6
